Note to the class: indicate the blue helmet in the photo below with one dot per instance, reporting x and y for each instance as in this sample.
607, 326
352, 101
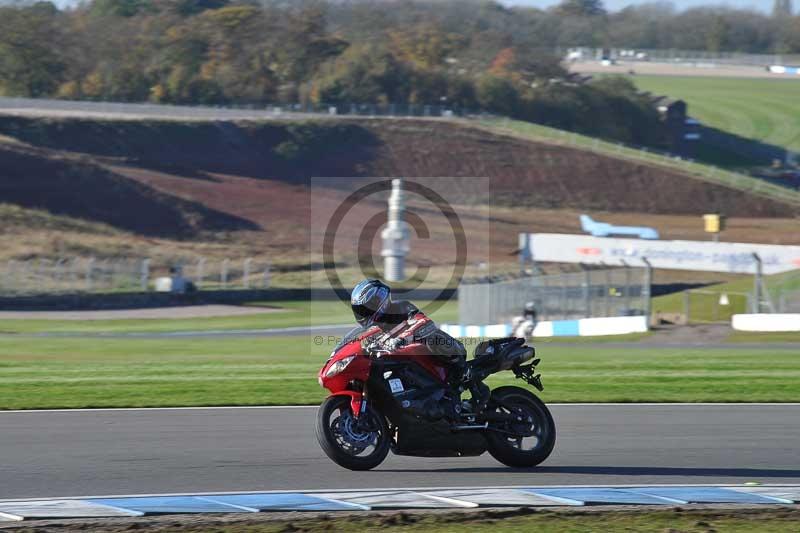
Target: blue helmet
369, 300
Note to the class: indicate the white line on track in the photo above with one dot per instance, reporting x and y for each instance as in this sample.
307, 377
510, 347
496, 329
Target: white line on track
231, 407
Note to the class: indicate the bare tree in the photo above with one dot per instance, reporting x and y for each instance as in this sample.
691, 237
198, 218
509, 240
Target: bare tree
783, 8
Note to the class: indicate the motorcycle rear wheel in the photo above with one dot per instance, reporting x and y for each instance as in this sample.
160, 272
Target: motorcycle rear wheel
344, 439
512, 450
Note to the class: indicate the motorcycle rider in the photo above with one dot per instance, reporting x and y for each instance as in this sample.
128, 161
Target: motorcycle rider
372, 305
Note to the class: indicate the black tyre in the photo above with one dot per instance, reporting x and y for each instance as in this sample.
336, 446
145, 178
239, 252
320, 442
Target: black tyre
523, 443
356, 444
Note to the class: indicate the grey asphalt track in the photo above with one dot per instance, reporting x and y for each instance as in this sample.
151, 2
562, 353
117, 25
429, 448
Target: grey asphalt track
46, 454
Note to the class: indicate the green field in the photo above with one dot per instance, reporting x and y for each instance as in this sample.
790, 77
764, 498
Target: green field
762, 109
40, 373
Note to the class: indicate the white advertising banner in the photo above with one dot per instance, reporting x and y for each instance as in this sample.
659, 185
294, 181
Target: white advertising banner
766, 322
732, 257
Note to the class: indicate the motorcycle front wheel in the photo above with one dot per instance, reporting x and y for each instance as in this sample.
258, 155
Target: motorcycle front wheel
354, 443
529, 438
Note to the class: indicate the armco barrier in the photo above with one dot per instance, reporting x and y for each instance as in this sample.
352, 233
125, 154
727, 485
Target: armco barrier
618, 325
766, 322
780, 69
585, 327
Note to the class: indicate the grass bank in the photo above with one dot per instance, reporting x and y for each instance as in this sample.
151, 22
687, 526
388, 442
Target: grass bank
37, 373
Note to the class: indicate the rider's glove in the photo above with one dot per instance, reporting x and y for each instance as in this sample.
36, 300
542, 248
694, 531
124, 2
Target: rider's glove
394, 344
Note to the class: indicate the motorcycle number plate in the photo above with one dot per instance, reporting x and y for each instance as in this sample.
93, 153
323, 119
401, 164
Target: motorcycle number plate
396, 385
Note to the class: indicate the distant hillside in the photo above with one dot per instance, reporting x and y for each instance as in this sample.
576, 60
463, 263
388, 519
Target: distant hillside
179, 192
78, 187
203, 155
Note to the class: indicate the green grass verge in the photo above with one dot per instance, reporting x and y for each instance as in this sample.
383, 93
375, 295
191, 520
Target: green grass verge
706, 173
38, 373
751, 337
291, 314
514, 520
761, 109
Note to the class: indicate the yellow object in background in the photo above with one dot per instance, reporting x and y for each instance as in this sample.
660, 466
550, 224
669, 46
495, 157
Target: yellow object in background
714, 223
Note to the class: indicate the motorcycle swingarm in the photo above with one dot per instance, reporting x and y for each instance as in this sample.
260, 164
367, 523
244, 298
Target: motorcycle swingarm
527, 374
489, 418
496, 417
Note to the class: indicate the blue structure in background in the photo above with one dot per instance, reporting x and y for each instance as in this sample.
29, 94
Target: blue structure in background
602, 229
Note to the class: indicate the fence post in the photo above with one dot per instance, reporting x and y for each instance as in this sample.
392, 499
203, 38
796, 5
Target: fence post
587, 282
246, 273
627, 289
686, 308
223, 275
647, 289
57, 266
89, 269
144, 274
200, 271
757, 284
10, 276
266, 276
39, 278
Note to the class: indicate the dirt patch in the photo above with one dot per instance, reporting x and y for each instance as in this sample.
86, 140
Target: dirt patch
64, 184
522, 172
193, 311
699, 518
701, 334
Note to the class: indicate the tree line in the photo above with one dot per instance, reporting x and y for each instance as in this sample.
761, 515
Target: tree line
469, 54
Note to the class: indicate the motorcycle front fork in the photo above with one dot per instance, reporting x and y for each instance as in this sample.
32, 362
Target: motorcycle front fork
363, 421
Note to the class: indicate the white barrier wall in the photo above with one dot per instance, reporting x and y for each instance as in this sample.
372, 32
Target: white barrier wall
682, 255
619, 325
766, 322
585, 327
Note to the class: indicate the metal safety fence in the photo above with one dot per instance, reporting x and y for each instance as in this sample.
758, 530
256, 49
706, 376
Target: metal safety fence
789, 302
784, 294
591, 293
706, 306
697, 57
778, 294
234, 112
96, 275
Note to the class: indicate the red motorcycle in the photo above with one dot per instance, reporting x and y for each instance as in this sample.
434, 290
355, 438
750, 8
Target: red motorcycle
402, 400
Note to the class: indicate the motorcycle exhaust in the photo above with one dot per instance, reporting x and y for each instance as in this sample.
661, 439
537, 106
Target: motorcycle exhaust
515, 357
